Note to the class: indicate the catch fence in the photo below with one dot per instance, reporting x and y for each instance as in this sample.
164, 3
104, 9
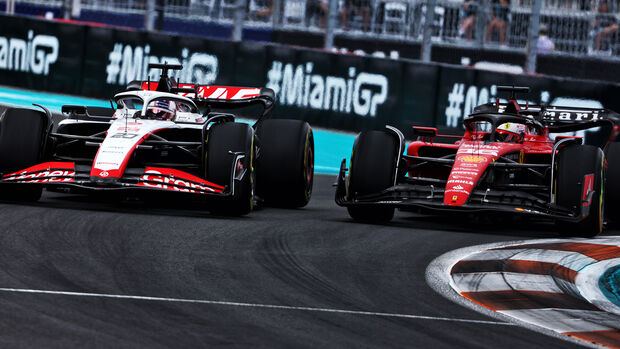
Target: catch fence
568, 27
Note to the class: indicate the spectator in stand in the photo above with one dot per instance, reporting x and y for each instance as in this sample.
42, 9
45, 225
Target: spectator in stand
318, 8
605, 25
544, 45
265, 11
499, 20
356, 8
468, 19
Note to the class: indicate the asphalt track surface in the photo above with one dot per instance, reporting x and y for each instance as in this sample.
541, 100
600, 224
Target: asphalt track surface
78, 271
314, 257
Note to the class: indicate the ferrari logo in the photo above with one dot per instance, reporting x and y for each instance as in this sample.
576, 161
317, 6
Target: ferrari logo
454, 197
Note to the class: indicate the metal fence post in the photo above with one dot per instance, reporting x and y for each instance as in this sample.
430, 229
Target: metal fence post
427, 35
482, 17
238, 21
532, 38
66, 9
160, 9
332, 17
10, 7
76, 8
149, 15
276, 13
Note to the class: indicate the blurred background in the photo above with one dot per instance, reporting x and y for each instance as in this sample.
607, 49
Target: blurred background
565, 27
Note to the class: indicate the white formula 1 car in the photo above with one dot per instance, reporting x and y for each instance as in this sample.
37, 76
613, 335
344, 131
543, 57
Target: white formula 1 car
162, 137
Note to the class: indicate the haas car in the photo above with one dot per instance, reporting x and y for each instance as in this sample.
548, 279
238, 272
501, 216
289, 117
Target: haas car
166, 138
506, 161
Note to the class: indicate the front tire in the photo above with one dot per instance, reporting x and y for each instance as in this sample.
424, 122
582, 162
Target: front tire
22, 136
575, 163
222, 140
372, 170
612, 194
285, 165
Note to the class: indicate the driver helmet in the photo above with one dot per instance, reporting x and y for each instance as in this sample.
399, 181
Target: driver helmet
162, 109
510, 132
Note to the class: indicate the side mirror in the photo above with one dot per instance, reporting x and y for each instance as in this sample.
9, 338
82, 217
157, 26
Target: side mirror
425, 131
73, 109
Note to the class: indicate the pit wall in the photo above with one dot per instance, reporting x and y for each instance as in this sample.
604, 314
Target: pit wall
338, 91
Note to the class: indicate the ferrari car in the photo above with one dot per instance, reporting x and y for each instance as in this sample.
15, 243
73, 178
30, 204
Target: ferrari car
162, 137
506, 161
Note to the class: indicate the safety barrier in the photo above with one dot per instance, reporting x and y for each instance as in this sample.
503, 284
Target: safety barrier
341, 91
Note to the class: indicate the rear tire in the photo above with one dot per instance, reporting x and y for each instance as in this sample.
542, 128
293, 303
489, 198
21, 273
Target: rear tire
574, 163
372, 170
224, 138
22, 135
285, 165
612, 188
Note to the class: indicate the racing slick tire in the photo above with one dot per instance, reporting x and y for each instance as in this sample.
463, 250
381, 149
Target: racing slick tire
223, 139
612, 186
372, 169
22, 136
285, 164
575, 162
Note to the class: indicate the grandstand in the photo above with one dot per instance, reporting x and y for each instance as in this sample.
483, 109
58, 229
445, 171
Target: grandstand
568, 27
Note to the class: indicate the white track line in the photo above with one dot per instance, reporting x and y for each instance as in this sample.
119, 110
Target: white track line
250, 305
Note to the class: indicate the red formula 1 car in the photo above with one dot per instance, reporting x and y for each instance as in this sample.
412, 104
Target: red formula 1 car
164, 138
506, 161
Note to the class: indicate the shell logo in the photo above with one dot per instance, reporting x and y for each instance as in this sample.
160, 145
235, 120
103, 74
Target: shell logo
472, 158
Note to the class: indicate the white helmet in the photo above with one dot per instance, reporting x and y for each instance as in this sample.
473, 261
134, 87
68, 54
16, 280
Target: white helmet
510, 132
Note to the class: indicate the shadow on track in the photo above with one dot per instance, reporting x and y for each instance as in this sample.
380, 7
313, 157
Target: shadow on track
467, 223
129, 206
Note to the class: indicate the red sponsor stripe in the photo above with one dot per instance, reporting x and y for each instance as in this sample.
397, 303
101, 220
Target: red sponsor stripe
515, 266
118, 172
608, 338
595, 251
515, 300
540, 268
44, 166
149, 86
205, 91
167, 178
587, 187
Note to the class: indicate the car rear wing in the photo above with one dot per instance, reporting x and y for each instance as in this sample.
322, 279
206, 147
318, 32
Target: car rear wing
225, 97
566, 119
557, 118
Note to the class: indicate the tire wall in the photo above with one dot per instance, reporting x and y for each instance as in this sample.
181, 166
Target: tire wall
331, 90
